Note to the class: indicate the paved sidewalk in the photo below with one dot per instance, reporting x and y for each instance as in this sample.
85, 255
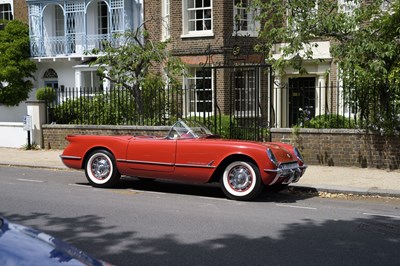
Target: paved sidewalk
322, 178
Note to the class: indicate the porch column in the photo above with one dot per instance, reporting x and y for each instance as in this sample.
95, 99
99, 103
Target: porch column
78, 81
320, 106
278, 102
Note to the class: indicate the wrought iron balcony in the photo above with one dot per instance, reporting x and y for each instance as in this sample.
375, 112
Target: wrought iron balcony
70, 28
74, 45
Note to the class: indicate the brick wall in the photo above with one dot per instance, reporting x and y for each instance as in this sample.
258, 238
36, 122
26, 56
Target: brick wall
332, 147
21, 10
54, 135
342, 147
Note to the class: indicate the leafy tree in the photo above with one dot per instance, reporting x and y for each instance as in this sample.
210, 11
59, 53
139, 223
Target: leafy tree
15, 66
364, 43
136, 63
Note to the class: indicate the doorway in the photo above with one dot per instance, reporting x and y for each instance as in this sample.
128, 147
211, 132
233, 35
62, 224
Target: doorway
301, 100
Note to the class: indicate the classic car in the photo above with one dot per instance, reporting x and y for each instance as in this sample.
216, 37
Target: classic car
189, 153
21, 245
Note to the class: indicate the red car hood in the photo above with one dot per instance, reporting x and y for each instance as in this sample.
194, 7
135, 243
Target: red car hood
282, 151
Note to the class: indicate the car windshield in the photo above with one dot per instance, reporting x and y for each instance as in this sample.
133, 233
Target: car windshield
188, 129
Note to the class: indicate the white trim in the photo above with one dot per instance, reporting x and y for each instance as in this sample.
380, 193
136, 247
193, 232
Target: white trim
186, 31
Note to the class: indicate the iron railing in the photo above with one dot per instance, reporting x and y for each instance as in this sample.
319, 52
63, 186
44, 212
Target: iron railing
325, 107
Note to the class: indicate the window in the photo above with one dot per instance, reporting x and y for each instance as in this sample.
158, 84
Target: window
6, 11
59, 21
245, 92
165, 20
102, 17
244, 18
197, 18
199, 91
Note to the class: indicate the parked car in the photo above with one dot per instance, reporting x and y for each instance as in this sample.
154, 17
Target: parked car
24, 246
189, 152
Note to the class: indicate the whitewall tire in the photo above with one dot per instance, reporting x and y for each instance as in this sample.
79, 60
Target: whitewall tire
101, 170
241, 180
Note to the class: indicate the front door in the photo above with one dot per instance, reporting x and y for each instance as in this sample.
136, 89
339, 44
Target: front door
301, 100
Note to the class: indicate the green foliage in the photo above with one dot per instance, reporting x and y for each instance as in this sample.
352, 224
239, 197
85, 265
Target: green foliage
139, 65
47, 94
231, 128
15, 66
117, 107
364, 44
331, 121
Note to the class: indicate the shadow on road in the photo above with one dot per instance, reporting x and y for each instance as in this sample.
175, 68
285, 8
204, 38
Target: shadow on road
365, 241
208, 190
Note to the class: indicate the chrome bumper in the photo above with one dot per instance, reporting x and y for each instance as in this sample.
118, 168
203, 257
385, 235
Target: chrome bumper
291, 172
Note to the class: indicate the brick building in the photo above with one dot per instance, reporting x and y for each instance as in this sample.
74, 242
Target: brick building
216, 40
13, 9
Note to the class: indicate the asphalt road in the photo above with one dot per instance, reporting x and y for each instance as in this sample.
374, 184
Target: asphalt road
164, 223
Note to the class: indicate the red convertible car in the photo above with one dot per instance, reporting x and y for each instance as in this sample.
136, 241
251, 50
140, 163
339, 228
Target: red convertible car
190, 153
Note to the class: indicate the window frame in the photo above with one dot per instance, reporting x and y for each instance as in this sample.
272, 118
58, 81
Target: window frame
250, 14
166, 20
103, 18
246, 88
190, 83
187, 10
4, 10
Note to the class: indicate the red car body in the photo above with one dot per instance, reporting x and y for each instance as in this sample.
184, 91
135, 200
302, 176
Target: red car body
189, 153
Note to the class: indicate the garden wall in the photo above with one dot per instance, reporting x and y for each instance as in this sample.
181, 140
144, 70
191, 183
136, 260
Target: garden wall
331, 147
343, 147
54, 135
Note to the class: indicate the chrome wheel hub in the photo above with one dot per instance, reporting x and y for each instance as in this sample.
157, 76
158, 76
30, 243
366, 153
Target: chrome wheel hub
240, 178
100, 168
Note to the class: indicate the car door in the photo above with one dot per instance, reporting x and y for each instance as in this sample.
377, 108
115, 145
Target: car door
151, 155
196, 160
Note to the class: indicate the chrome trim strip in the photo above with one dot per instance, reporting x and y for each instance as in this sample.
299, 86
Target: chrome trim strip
70, 157
148, 162
195, 166
273, 170
167, 164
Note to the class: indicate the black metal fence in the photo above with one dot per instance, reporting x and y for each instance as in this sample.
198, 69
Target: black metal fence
97, 106
287, 106
375, 108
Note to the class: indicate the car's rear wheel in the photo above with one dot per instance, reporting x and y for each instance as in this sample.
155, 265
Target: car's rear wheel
101, 169
241, 180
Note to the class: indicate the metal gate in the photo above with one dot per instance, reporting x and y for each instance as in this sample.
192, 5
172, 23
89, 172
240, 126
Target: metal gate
234, 102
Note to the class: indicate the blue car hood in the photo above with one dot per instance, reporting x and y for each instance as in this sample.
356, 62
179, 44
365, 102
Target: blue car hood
20, 245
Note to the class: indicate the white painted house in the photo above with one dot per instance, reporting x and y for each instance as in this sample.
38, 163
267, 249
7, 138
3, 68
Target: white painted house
62, 32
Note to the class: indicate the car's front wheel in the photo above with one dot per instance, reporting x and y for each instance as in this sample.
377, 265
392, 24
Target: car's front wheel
101, 169
241, 180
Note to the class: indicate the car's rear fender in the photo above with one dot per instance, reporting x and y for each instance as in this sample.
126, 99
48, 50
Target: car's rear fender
88, 152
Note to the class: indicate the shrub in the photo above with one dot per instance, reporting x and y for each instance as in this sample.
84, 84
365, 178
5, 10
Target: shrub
47, 94
331, 121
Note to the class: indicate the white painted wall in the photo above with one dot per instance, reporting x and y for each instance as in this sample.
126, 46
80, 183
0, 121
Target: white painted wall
12, 135
63, 68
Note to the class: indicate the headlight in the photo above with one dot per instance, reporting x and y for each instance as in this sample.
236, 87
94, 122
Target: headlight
272, 157
298, 154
